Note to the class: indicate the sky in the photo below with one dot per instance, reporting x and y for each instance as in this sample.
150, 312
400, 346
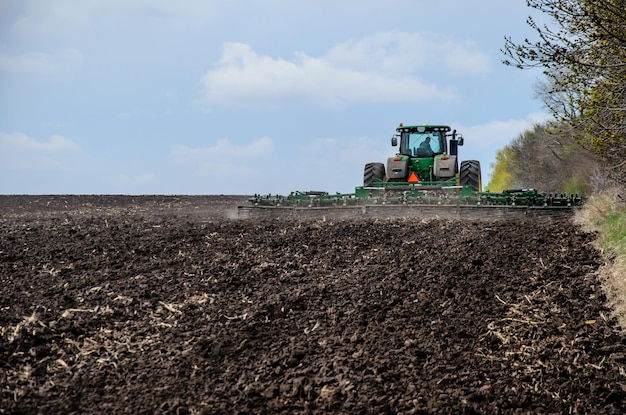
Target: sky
247, 96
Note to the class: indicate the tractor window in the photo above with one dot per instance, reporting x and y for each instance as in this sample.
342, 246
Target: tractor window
420, 144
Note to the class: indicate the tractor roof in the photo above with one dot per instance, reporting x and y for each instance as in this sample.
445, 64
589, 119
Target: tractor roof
423, 128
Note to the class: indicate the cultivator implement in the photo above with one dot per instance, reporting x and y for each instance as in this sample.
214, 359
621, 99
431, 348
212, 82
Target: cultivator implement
393, 199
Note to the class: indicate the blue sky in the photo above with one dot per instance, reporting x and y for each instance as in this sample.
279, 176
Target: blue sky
246, 96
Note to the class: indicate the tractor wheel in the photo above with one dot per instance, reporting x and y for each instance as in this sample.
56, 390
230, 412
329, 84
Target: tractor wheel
373, 171
470, 174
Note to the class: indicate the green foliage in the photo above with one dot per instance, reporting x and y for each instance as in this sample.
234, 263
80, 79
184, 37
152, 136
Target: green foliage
502, 171
605, 214
614, 232
575, 185
544, 158
584, 58
609, 141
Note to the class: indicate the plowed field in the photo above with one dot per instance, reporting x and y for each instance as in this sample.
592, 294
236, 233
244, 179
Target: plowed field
168, 305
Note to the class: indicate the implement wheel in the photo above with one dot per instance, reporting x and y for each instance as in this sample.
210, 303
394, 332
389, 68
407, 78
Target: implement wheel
470, 174
373, 171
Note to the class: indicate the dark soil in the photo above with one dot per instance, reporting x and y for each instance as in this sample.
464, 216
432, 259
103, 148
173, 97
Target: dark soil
167, 305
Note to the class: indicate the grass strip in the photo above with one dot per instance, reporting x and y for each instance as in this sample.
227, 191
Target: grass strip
605, 213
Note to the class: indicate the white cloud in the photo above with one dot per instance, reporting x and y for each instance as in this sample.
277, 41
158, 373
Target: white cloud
52, 17
224, 159
497, 134
404, 53
462, 58
18, 151
37, 62
223, 148
376, 70
22, 143
332, 164
483, 141
336, 151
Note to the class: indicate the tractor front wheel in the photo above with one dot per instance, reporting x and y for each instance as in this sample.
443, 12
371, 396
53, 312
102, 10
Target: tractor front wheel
373, 171
470, 174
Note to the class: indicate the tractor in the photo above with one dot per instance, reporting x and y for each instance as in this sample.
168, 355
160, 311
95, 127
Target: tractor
423, 179
428, 155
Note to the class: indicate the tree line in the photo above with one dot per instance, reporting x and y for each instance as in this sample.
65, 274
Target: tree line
583, 56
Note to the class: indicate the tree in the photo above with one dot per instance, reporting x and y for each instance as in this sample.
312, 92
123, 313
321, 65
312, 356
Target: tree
502, 177
584, 58
543, 156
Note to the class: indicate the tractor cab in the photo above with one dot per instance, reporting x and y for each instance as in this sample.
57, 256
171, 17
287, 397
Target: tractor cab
422, 142
425, 154
425, 140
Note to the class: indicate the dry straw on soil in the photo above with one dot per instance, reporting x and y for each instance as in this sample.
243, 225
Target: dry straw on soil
161, 305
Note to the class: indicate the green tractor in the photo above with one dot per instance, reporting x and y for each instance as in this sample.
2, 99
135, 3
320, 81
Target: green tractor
428, 155
424, 179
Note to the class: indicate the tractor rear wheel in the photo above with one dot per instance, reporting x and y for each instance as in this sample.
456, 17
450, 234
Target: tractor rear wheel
373, 171
470, 174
